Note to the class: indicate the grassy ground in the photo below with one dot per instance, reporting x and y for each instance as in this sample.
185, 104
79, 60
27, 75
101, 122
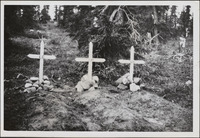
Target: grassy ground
62, 70
163, 75
167, 75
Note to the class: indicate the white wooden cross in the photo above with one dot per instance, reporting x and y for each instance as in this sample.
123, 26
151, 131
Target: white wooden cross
131, 62
90, 60
41, 57
182, 41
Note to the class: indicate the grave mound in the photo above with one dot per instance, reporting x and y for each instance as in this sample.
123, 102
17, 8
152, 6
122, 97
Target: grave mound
106, 109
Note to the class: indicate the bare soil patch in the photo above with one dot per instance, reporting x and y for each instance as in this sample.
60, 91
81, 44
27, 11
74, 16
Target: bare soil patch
106, 109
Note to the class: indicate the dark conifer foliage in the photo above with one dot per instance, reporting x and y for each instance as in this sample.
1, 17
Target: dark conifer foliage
17, 18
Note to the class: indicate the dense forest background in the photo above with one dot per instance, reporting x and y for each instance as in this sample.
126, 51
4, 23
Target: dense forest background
105, 23
112, 29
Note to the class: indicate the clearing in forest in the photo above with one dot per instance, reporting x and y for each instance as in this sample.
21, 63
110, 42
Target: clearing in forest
107, 108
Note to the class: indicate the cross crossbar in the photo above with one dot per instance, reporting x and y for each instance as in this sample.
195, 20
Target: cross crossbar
93, 59
44, 57
135, 61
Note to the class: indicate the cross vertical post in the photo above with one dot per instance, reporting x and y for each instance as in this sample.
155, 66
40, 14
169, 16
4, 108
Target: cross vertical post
131, 63
90, 61
41, 61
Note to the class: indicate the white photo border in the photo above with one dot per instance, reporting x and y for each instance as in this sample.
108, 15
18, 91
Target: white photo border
195, 133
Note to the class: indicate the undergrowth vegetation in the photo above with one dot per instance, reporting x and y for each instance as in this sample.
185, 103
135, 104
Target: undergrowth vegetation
162, 74
167, 75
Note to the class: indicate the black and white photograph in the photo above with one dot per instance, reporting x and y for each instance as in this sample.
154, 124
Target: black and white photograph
100, 68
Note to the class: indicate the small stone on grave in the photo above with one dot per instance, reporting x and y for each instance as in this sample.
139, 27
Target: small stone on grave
32, 84
78, 87
96, 79
34, 78
35, 85
85, 78
134, 87
46, 82
95, 85
45, 77
46, 87
136, 80
31, 89
91, 89
120, 80
39, 88
28, 81
125, 81
86, 83
37, 82
27, 85
122, 87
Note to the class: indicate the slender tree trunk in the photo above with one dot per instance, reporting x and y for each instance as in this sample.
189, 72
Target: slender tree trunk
59, 14
166, 18
65, 15
175, 22
56, 13
162, 16
155, 24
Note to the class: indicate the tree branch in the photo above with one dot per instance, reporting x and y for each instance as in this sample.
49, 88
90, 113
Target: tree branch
151, 38
134, 33
104, 9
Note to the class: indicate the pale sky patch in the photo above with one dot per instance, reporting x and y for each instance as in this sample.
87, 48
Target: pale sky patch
51, 10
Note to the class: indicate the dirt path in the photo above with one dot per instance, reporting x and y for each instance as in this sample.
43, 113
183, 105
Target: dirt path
105, 109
